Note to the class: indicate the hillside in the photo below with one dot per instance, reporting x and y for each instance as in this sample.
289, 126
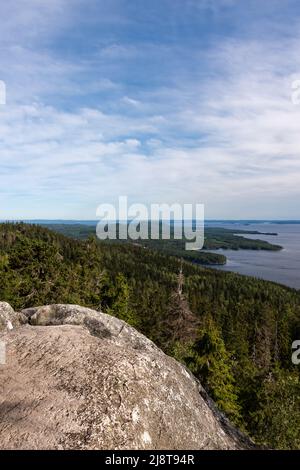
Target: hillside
233, 332
93, 382
215, 238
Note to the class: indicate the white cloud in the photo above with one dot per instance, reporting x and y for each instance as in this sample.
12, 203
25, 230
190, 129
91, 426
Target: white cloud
229, 139
130, 101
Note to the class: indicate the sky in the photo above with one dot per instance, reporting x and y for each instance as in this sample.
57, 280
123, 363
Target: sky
162, 101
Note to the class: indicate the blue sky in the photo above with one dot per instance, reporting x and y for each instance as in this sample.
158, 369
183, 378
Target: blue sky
163, 101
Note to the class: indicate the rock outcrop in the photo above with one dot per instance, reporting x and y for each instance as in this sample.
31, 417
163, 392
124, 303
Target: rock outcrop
75, 378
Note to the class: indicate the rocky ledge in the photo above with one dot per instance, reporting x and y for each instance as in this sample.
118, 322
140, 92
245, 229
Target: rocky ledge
74, 378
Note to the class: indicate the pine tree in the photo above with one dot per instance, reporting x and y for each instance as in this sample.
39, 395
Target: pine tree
209, 360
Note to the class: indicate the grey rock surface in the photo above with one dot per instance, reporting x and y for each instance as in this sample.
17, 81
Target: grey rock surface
75, 378
8, 316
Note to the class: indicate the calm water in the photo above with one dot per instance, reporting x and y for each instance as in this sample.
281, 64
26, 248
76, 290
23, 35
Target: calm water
282, 266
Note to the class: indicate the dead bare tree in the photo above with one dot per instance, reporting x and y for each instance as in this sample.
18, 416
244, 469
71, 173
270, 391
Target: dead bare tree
180, 324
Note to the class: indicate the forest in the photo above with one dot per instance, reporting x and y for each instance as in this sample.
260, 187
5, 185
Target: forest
215, 238
233, 332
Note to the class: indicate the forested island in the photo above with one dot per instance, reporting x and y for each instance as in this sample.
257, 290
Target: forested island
215, 239
233, 332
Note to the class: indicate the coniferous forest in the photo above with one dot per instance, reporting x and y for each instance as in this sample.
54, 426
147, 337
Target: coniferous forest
233, 332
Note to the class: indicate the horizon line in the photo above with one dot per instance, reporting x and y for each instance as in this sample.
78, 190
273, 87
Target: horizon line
118, 220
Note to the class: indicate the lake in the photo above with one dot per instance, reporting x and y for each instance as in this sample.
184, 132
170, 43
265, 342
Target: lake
280, 266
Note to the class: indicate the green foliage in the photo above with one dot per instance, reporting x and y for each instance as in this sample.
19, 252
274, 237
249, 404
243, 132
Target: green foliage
209, 360
215, 238
276, 421
115, 300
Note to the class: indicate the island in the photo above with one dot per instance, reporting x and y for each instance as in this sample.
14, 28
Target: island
216, 238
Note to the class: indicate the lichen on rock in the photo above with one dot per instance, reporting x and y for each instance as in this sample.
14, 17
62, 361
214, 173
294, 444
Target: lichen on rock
80, 379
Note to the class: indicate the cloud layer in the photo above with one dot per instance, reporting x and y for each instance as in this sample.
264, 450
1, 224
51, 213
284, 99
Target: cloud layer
101, 103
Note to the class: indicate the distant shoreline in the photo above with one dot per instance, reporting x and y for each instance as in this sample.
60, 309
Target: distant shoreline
207, 221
